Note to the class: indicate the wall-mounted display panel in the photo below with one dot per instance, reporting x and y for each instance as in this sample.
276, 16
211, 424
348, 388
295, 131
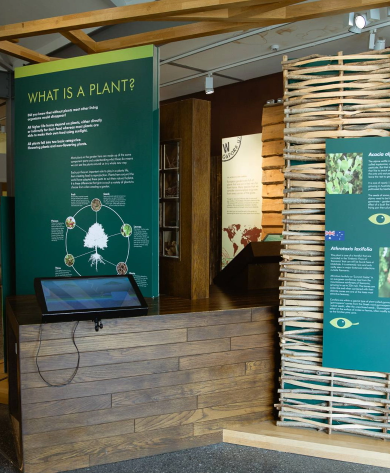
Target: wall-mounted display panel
241, 193
357, 254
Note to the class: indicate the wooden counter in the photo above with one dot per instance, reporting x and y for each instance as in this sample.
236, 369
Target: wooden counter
167, 381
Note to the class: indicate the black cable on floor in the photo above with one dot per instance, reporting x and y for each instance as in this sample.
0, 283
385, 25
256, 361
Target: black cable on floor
2, 379
78, 358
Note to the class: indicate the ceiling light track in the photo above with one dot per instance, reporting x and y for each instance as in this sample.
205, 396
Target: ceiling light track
269, 55
183, 66
221, 43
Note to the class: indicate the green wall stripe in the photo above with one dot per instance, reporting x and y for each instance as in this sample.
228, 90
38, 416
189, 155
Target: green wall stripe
85, 61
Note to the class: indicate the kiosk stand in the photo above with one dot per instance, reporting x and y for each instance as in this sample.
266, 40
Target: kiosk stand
145, 385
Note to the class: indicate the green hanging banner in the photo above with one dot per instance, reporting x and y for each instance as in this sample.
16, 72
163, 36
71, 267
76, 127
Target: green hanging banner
86, 168
357, 254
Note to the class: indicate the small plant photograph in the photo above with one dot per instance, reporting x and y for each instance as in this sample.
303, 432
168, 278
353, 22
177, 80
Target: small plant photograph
69, 260
344, 173
384, 272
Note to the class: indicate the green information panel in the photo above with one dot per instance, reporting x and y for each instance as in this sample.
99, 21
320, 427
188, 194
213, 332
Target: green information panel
86, 168
357, 254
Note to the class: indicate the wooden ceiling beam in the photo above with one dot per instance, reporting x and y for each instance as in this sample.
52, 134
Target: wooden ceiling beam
295, 12
21, 52
213, 15
81, 39
322, 8
223, 16
317, 9
110, 16
170, 35
282, 11
250, 14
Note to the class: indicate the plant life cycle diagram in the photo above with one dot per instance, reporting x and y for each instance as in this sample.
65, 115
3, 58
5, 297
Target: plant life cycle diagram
97, 237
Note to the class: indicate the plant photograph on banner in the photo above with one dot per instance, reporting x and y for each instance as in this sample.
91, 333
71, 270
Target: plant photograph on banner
344, 173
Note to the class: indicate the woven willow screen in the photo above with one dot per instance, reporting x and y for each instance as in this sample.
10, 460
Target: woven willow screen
325, 97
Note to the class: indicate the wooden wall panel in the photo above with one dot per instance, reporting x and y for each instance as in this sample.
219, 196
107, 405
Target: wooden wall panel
273, 164
215, 216
111, 357
188, 275
142, 392
88, 344
138, 324
133, 383
272, 148
162, 441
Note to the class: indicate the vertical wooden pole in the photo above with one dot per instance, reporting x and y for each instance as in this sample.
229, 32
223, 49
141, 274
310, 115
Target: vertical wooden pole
285, 228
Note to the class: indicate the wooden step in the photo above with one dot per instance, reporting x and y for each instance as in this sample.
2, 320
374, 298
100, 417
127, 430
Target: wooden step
344, 447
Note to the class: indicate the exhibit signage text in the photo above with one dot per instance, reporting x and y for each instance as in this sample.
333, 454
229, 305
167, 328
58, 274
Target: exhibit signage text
357, 254
71, 92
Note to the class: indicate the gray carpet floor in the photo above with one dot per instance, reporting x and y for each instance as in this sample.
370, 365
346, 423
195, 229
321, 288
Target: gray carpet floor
220, 458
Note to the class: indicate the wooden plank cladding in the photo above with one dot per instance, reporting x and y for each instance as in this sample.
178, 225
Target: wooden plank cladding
145, 385
273, 164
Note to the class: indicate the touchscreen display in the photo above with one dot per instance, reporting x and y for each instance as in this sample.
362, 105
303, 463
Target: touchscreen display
273, 237
94, 293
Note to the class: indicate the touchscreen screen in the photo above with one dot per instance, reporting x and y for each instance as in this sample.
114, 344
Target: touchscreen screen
94, 293
273, 237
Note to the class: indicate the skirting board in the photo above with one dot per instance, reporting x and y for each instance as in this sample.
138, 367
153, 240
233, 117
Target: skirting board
343, 447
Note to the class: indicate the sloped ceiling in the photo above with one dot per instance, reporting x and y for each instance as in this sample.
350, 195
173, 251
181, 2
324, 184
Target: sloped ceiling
231, 57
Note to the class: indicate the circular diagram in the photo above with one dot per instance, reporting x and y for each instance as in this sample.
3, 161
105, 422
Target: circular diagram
107, 238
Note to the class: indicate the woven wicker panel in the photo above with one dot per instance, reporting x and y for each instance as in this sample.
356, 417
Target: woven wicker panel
325, 97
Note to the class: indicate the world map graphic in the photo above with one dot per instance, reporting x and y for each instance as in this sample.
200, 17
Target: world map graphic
239, 236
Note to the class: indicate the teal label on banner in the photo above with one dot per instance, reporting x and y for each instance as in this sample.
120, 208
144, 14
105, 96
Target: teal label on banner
86, 168
357, 254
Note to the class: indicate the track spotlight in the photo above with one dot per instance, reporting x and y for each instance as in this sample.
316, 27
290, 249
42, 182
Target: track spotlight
209, 84
371, 41
359, 22
380, 44
374, 14
355, 29
376, 43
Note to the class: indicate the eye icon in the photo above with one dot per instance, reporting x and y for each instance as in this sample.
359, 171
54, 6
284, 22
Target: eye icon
379, 219
340, 322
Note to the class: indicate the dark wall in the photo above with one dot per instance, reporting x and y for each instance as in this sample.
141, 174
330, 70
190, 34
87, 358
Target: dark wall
237, 109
